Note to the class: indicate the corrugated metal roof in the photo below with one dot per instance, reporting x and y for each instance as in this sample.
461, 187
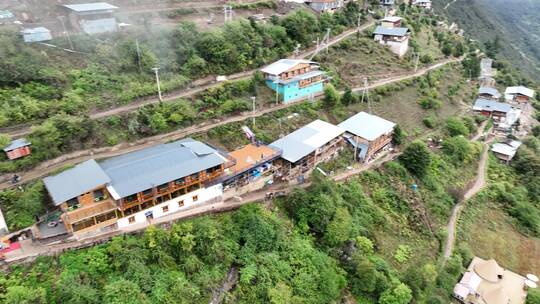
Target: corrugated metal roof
86, 7
392, 19
76, 181
283, 65
509, 148
307, 139
307, 75
491, 105
367, 126
490, 91
18, 143
396, 31
141, 170
520, 90
35, 30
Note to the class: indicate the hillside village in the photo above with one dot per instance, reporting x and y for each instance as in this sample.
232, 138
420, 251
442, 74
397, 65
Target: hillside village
295, 125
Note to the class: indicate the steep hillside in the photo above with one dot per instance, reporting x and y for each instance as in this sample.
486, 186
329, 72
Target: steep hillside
515, 23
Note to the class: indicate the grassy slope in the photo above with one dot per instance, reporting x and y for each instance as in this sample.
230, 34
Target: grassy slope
492, 233
484, 20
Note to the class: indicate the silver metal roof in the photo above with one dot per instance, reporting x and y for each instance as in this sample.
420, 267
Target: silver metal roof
307, 139
491, 105
39, 29
18, 143
304, 76
520, 90
396, 31
87, 7
367, 126
283, 65
490, 91
144, 169
76, 181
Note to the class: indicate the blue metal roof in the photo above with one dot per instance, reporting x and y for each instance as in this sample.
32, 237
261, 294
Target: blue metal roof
76, 181
144, 169
396, 31
491, 105
18, 143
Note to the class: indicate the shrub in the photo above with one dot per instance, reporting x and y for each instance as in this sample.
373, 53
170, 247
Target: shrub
429, 121
416, 158
403, 254
455, 127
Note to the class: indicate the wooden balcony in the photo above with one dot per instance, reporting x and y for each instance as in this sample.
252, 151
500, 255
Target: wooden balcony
90, 211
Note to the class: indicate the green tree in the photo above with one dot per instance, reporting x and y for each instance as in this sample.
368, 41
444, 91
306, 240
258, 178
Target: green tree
533, 297
157, 122
339, 229
4, 140
416, 158
123, 291
458, 148
401, 294
455, 127
331, 96
25, 295
348, 97
398, 135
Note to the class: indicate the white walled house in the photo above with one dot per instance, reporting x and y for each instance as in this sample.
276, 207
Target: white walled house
397, 39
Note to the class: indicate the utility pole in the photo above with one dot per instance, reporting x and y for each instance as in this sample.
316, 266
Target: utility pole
228, 13
365, 95
358, 21
156, 69
416, 61
296, 50
253, 98
327, 39
61, 18
138, 55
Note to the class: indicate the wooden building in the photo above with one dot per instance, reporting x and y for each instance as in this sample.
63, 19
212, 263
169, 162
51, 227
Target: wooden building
137, 186
505, 151
18, 148
306, 147
519, 94
294, 79
395, 38
255, 166
325, 6
368, 134
492, 108
391, 22
489, 93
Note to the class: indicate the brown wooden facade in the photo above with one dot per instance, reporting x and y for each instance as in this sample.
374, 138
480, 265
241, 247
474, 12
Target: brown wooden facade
97, 209
375, 145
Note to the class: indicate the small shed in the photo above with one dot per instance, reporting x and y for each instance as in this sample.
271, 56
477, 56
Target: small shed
36, 34
18, 148
92, 18
391, 22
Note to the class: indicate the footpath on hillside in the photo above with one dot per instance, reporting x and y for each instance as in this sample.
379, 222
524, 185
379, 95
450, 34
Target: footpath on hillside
477, 186
47, 167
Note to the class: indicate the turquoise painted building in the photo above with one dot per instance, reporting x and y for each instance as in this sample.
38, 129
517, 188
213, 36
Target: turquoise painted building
295, 79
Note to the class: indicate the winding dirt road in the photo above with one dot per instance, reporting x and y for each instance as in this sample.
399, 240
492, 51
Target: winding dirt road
76, 157
23, 130
476, 187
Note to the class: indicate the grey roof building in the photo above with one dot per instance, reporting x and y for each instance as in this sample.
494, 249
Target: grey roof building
16, 144
141, 170
72, 182
134, 172
489, 91
367, 126
491, 105
307, 139
396, 31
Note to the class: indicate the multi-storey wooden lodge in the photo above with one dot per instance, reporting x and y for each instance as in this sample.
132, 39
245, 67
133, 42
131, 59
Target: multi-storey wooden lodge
368, 134
306, 147
294, 79
138, 186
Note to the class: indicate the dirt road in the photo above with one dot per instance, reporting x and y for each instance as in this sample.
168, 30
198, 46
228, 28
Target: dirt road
22, 130
49, 166
478, 185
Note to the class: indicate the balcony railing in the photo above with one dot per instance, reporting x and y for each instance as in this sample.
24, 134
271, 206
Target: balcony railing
90, 211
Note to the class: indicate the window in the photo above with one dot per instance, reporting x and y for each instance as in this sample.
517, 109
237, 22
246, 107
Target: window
179, 181
99, 195
131, 219
193, 187
106, 216
163, 187
195, 198
165, 208
181, 203
147, 192
73, 204
194, 176
159, 200
131, 198
83, 224
175, 194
